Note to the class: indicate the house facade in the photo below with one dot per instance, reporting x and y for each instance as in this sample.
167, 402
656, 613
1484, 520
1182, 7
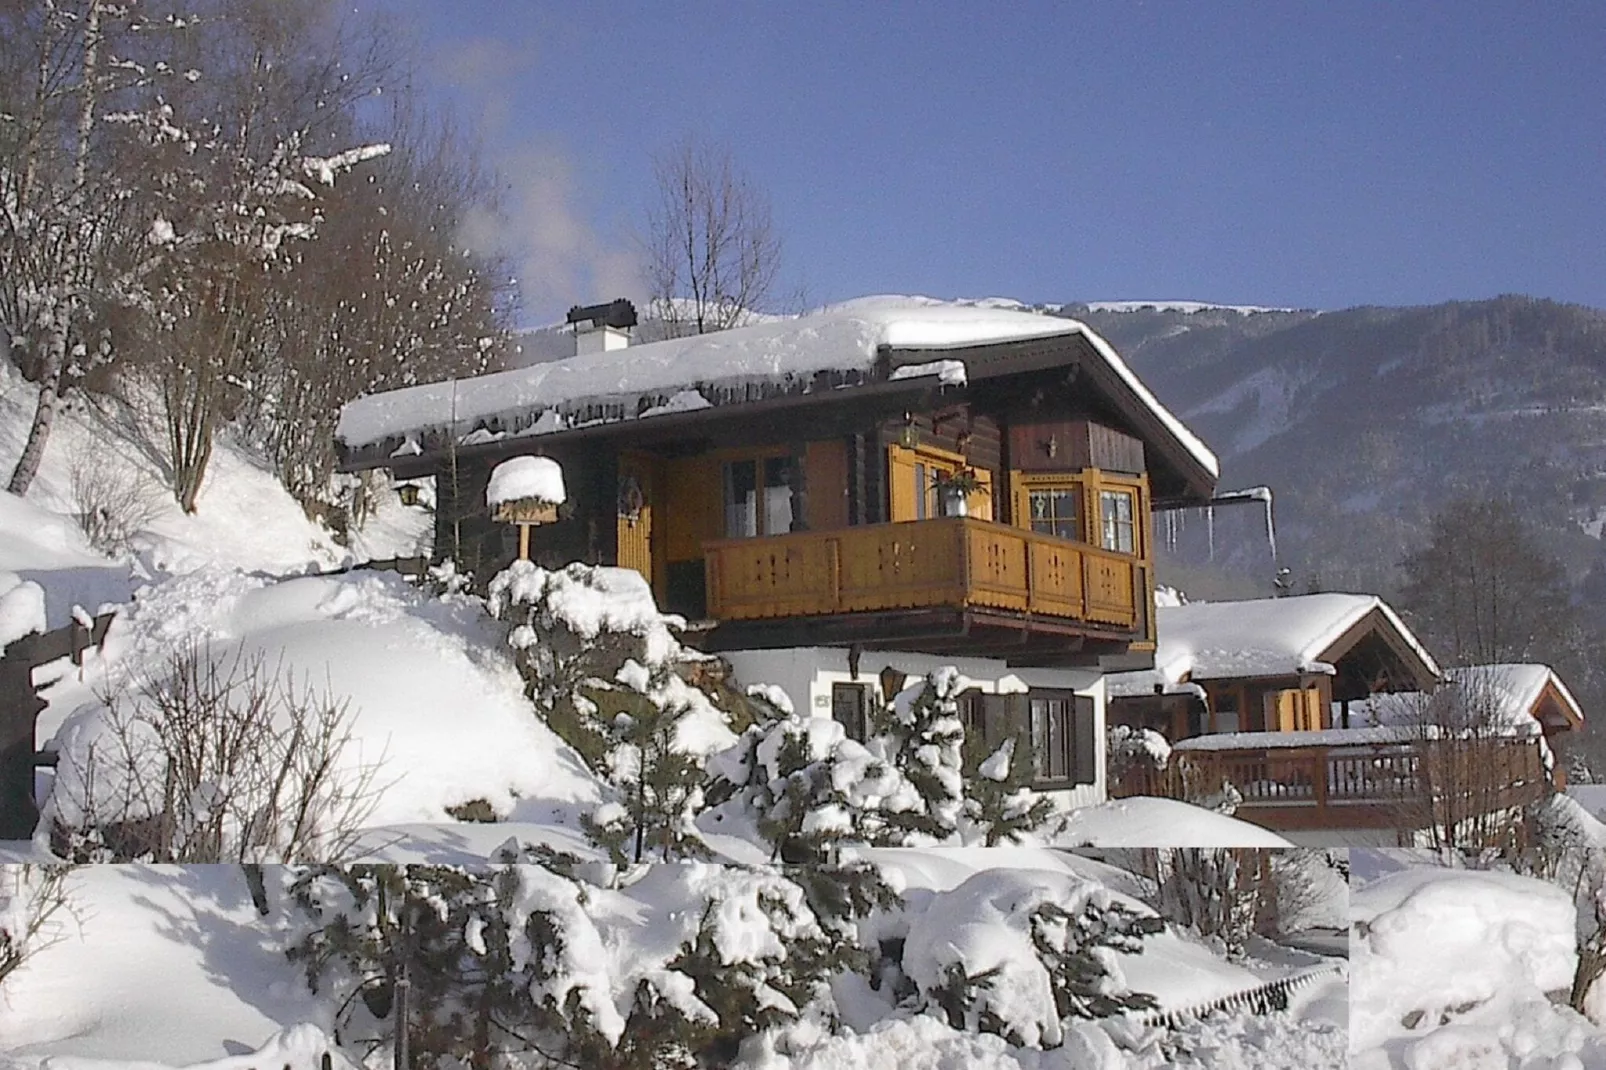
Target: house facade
842, 501
1294, 664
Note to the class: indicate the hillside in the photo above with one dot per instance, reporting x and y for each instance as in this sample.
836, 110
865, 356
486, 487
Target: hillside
1364, 420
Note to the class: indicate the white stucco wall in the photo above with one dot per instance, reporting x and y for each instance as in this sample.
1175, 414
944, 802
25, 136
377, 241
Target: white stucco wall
807, 673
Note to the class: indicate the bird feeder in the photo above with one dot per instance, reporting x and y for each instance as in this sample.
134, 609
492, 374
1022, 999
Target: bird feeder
525, 491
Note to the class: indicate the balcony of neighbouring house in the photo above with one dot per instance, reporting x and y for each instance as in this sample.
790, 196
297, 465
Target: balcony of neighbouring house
948, 585
1374, 778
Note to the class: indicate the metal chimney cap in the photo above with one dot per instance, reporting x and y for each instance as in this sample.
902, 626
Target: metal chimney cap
619, 313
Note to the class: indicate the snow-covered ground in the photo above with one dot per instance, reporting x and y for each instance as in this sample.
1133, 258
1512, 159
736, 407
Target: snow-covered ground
1459, 969
174, 966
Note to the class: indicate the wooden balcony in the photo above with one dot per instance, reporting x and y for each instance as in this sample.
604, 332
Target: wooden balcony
1365, 786
974, 582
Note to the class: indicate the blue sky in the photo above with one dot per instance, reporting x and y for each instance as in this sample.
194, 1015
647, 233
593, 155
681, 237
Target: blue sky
1285, 154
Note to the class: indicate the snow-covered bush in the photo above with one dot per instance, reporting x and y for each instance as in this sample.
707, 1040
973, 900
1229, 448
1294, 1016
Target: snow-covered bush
522, 961
921, 735
221, 758
810, 788
581, 622
1129, 748
1017, 952
640, 753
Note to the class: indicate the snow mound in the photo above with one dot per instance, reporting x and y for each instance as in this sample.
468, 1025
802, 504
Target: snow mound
435, 702
159, 965
1459, 962
1150, 822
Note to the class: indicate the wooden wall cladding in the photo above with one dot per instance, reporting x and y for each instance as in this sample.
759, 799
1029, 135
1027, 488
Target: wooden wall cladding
1073, 444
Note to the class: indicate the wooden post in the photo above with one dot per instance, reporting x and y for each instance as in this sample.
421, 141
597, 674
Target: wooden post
1319, 782
524, 542
19, 710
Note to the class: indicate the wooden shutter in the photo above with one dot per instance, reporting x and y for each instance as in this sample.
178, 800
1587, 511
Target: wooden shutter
1084, 741
1313, 710
901, 482
979, 503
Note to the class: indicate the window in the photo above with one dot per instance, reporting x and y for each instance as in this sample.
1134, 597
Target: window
1060, 726
1224, 710
1056, 511
1051, 738
912, 476
850, 707
1118, 530
758, 497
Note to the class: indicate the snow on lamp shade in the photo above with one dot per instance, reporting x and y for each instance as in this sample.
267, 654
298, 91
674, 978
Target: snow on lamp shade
526, 490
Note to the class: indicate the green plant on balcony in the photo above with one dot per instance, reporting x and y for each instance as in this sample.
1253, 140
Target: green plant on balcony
955, 488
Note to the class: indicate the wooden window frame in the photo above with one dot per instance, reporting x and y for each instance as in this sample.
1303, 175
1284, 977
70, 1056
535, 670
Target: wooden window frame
1089, 484
926, 462
758, 458
1078, 764
862, 713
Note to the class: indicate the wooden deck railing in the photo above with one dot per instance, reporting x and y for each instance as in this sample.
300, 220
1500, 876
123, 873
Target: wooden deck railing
954, 561
1353, 785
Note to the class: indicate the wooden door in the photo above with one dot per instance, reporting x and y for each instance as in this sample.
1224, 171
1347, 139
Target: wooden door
637, 487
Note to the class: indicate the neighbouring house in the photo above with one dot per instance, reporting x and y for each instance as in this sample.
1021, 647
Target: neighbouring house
1331, 722
1292, 664
842, 500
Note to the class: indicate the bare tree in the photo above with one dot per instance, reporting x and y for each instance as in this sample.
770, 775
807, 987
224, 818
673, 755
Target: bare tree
32, 897
1474, 770
68, 240
712, 251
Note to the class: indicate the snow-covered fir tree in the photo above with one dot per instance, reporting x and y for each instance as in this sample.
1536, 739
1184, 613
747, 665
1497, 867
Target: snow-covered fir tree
1001, 805
921, 735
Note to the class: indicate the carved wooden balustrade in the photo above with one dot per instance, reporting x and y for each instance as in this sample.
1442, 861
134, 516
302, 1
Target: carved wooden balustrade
953, 562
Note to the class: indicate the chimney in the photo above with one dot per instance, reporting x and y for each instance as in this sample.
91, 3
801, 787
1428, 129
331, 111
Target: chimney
600, 328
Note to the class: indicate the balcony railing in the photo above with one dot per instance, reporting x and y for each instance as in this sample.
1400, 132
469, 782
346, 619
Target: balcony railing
951, 562
1350, 786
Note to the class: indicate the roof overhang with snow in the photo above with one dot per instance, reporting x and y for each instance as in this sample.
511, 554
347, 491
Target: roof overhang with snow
875, 348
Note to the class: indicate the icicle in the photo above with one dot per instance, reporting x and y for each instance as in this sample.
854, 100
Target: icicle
1210, 523
1271, 531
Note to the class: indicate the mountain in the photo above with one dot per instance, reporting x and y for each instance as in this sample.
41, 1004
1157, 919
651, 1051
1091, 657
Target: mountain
1363, 421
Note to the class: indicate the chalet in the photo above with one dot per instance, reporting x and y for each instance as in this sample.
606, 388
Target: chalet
843, 500
1331, 721
1269, 665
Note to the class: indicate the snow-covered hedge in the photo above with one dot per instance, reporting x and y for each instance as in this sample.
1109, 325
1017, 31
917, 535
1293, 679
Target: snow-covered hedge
677, 969
1017, 952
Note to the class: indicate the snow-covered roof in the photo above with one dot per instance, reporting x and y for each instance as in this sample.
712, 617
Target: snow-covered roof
1259, 637
1507, 692
845, 338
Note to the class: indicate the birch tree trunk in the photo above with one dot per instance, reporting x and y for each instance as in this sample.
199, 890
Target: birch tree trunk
44, 413
55, 338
